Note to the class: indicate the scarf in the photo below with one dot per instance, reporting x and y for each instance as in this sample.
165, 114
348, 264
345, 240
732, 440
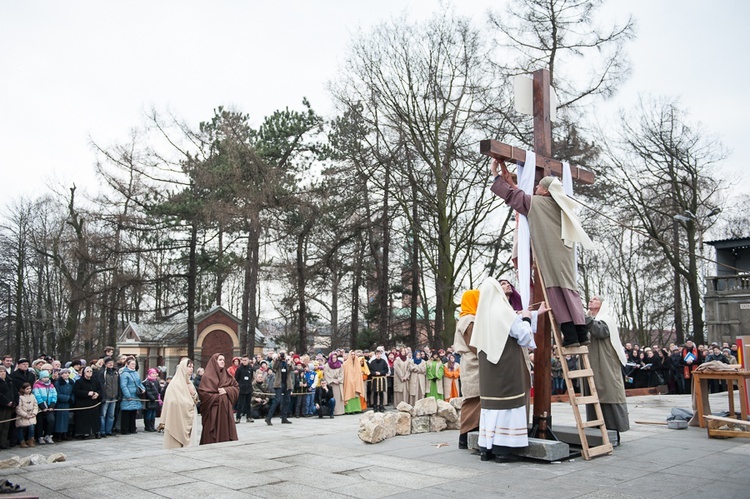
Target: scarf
493, 320
608, 318
572, 232
334, 365
417, 360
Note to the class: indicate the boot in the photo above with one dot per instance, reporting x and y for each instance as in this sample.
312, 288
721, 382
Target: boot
30, 442
23, 444
570, 335
285, 421
583, 334
486, 455
463, 441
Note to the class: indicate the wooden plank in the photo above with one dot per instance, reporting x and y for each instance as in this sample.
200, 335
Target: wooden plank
581, 373
600, 450
727, 433
593, 424
591, 399
574, 350
499, 150
727, 420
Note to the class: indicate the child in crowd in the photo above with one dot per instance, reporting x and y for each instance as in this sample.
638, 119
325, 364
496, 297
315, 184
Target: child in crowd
26, 410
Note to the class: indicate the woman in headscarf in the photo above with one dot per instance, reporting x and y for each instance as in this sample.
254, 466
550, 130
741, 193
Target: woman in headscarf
218, 392
178, 412
401, 375
417, 378
87, 397
235, 365
353, 385
153, 394
64, 387
333, 373
451, 373
132, 392
470, 408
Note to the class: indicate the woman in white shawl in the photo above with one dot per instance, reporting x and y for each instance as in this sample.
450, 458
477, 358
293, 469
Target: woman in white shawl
181, 427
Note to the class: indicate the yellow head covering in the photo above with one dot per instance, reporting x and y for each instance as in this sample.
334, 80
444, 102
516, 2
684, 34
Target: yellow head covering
469, 301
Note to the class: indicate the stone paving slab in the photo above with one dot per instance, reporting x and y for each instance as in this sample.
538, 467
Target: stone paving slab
326, 458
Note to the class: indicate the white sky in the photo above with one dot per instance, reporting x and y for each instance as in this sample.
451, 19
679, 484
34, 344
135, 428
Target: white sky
77, 70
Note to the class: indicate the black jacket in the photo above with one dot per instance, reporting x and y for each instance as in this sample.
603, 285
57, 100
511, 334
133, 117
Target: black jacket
19, 378
380, 365
244, 377
7, 400
323, 396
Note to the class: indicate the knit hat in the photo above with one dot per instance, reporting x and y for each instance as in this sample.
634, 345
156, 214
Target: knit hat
43, 374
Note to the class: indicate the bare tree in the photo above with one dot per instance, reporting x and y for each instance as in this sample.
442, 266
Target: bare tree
664, 166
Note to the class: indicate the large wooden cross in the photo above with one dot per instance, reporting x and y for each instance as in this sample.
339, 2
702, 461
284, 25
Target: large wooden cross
545, 165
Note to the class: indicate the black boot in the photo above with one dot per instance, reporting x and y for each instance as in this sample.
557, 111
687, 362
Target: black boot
463, 441
486, 455
583, 334
570, 335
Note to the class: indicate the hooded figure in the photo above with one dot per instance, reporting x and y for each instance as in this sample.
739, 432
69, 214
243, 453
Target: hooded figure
218, 392
607, 357
500, 337
178, 412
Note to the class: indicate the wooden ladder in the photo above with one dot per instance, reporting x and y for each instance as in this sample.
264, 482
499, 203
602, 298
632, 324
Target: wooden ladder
585, 375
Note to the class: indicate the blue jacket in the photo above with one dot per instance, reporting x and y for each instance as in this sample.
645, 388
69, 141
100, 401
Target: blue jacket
129, 382
46, 395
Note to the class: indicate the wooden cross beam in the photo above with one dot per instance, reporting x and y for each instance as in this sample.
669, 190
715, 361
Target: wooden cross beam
542, 421
506, 152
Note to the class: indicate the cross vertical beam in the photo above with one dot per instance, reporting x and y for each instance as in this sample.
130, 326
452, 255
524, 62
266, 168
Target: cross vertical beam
542, 421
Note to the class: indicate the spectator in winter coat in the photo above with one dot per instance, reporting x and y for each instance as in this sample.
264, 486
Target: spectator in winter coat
132, 391
109, 380
153, 395
26, 411
7, 405
64, 387
46, 399
244, 377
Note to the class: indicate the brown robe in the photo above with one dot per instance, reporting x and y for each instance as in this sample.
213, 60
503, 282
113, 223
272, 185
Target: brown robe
216, 409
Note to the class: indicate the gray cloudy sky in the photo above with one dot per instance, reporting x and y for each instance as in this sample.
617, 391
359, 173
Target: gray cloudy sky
77, 70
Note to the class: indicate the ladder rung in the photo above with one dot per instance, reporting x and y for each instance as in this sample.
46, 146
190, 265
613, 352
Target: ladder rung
600, 450
585, 400
592, 424
575, 350
581, 373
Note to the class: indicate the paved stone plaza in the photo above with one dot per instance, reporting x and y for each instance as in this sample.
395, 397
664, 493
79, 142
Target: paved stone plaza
325, 458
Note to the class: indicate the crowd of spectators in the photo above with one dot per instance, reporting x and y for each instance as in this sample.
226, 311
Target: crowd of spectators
44, 402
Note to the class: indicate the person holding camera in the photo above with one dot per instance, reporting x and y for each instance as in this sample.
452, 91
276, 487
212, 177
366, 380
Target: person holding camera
282, 385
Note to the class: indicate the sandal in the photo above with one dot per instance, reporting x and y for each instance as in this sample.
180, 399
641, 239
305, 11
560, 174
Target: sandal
9, 488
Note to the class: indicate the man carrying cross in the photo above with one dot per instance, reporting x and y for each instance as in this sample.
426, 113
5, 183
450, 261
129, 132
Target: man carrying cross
554, 229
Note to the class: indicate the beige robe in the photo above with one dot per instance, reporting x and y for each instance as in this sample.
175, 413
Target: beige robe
335, 380
400, 388
417, 380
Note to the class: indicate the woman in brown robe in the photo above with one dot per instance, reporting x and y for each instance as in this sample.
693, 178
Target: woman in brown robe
218, 392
